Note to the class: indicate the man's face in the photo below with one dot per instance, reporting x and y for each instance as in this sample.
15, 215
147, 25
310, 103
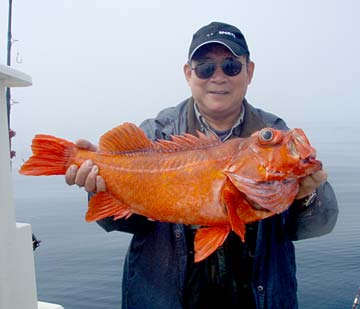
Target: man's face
219, 95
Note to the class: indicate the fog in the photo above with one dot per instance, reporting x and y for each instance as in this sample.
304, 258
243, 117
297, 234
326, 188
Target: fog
96, 64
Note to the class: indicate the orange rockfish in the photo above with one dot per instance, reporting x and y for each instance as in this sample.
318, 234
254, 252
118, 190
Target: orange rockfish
190, 180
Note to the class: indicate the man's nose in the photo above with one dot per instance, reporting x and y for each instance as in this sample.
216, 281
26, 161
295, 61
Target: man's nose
219, 74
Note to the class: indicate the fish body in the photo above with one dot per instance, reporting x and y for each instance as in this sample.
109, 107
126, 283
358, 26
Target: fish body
189, 180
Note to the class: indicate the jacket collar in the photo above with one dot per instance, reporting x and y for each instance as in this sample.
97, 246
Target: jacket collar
251, 122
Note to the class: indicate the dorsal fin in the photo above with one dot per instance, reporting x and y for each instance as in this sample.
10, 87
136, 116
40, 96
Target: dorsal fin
123, 138
130, 138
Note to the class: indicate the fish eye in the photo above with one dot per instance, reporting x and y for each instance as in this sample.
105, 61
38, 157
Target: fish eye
266, 135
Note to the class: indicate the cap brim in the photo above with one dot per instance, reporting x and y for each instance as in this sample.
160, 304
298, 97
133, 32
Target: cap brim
227, 44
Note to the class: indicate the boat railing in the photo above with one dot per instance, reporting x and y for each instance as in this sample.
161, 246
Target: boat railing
17, 270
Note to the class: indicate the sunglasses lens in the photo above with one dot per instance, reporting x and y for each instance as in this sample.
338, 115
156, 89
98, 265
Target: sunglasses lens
231, 67
205, 70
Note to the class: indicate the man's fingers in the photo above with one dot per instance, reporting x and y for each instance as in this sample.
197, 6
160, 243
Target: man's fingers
309, 184
90, 181
85, 144
71, 174
320, 176
86, 176
83, 173
100, 184
314, 180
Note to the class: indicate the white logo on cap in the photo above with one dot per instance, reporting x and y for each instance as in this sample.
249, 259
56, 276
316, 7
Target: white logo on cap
227, 33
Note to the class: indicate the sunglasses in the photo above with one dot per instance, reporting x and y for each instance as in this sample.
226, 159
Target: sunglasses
230, 67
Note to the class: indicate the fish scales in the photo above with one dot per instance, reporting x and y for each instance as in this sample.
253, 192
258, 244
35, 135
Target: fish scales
178, 176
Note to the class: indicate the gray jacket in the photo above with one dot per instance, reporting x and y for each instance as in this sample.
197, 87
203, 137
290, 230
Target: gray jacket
156, 260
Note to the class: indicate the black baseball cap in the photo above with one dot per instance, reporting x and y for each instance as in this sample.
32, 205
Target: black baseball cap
221, 33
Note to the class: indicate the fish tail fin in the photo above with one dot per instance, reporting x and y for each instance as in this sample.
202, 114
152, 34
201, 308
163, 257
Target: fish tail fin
208, 239
50, 156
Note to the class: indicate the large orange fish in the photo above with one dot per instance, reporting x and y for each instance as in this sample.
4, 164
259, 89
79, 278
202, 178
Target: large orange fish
190, 180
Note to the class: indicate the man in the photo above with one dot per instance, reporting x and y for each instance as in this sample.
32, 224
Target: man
159, 271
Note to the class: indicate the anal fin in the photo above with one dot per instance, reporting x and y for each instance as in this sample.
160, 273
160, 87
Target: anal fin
103, 205
208, 239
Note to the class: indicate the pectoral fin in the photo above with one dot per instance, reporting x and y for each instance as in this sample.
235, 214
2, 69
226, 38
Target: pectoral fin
208, 239
232, 199
103, 205
239, 209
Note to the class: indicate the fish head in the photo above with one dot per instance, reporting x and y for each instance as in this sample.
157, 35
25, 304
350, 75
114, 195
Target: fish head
269, 164
271, 154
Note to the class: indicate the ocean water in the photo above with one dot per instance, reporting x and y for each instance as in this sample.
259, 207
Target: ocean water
79, 265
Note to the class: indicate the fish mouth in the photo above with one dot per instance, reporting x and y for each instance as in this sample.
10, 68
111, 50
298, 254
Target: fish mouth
306, 166
310, 164
309, 159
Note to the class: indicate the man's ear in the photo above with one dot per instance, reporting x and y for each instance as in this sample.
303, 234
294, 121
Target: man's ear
187, 71
250, 66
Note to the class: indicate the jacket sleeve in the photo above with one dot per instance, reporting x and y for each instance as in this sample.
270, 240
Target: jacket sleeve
317, 219
133, 224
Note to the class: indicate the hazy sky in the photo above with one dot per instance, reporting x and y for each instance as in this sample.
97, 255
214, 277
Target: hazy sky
98, 63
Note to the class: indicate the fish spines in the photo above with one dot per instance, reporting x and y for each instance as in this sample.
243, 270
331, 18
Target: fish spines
128, 139
187, 142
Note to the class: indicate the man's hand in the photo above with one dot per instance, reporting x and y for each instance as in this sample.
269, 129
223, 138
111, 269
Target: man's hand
309, 183
87, 174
